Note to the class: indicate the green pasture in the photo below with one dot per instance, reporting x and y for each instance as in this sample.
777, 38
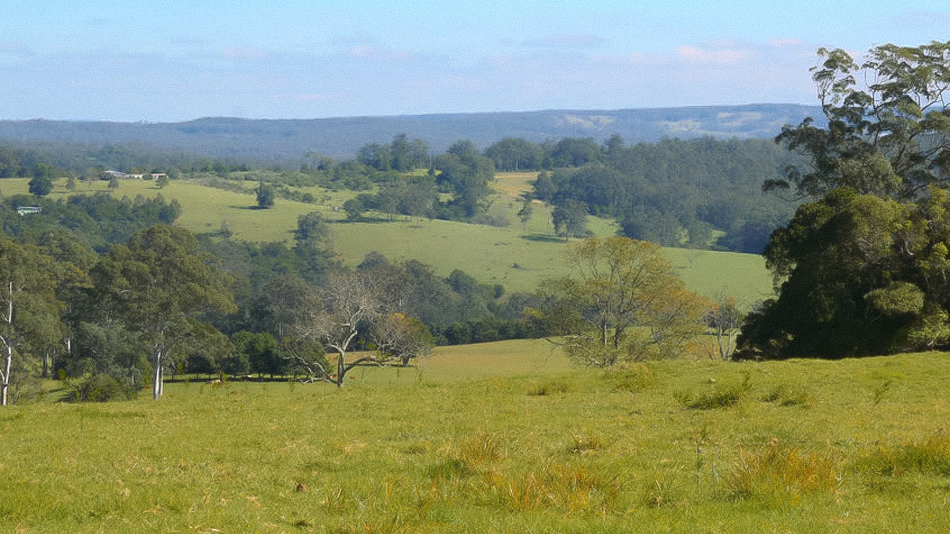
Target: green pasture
503, 437
516, 256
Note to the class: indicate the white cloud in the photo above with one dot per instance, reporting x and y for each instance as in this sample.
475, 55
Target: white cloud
720, 56
780, 42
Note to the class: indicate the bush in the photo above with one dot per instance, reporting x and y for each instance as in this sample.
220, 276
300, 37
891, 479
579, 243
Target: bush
97, 388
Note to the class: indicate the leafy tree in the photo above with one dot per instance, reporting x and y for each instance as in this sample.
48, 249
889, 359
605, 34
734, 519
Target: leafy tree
157, 283
312, 247
262, 352
526, 211
376, 156
623, 302
889, 138
41, 186
162, 180
514, 154
466, 173
570, 218
265, 196
402, 338
544, 188
354, 209
108, 349
862, 265
30, 312
204, 349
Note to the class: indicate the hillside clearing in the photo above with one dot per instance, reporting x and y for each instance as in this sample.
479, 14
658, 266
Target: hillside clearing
514, 256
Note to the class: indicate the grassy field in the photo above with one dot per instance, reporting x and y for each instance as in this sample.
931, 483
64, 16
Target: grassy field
503, 437
516, 256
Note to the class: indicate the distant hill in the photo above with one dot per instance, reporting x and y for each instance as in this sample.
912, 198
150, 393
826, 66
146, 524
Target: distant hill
283, 140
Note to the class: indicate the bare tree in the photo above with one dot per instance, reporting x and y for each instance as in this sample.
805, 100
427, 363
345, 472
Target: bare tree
725, 320
348, 301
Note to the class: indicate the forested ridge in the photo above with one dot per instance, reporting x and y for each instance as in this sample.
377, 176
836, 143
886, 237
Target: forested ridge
286, 141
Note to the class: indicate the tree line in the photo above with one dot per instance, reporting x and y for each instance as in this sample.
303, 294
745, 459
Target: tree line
108, 295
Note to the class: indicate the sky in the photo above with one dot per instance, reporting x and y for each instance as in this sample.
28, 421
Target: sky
177, 60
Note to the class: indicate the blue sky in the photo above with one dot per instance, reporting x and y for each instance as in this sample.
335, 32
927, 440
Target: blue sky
173, 60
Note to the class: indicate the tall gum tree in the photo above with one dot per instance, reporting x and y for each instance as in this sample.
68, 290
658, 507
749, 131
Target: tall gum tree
159, 281
30, 309
861, 266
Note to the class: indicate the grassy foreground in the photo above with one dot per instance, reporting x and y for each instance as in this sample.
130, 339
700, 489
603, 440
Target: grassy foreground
500, 437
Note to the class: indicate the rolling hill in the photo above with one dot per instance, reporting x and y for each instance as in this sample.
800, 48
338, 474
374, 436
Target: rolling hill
283, 140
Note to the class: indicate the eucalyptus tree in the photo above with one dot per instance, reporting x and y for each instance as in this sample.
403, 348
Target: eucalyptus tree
862, 268
156, 284
30, 313
888, 124
347, 303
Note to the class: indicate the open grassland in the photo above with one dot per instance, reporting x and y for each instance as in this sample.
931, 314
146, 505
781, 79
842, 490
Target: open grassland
503, 437
516, 256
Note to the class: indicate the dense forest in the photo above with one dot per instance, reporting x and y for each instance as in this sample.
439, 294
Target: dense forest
703, 193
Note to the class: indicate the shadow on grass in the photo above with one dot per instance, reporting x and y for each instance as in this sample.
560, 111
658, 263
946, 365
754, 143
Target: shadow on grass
370, 220
544, 238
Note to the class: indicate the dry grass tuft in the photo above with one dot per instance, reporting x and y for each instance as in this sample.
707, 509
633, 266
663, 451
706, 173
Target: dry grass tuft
782, 473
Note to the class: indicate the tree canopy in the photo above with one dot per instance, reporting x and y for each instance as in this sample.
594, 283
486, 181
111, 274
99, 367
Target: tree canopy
622, 303
862, 267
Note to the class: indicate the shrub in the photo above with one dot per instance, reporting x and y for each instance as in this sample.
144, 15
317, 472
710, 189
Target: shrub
571, 489
635, 377
550, 387
97, 388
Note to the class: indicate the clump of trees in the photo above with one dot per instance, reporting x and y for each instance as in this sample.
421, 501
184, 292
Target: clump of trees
862, 266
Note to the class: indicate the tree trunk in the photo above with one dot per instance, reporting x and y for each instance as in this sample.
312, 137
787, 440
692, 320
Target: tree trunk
158, 377
5, 386
340, 369
8, 342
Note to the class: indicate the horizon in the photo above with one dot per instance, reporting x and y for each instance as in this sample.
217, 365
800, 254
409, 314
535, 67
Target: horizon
182, 60
443, 114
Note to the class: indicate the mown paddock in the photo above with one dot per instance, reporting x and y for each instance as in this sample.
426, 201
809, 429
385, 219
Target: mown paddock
529, 445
